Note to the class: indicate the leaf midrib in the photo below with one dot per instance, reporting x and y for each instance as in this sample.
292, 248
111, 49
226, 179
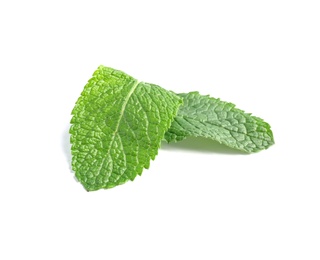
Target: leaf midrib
119, 121
184, 117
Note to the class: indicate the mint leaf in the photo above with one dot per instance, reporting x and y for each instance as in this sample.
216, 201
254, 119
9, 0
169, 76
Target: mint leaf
209, 117
117, 127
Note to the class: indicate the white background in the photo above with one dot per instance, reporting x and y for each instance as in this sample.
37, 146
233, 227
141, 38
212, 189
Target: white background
198, 200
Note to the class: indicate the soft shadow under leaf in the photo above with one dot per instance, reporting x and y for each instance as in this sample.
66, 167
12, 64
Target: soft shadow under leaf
201, 145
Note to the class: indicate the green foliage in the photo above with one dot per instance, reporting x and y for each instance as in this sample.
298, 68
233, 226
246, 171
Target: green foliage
118, 124
117, 127
221, 121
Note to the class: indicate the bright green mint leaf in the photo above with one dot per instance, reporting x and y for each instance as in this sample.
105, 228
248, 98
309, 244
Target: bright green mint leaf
211, 118
117, 127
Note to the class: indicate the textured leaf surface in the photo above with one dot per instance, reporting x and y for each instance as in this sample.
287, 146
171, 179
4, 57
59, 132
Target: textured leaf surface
117, 127
221, 121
